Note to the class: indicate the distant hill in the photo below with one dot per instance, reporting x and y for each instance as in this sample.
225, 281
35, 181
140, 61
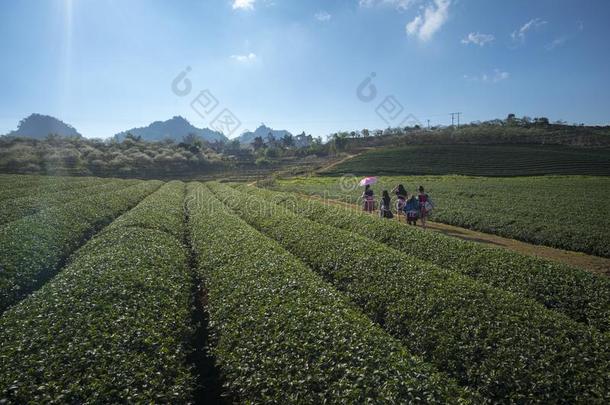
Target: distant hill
38, 126
263, 131
175, 128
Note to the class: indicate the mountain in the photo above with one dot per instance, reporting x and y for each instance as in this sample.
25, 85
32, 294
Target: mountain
263, 131
39, 126
175, 128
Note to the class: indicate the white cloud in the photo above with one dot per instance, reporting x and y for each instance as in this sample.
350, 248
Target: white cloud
413, 26
434, 16
494, 77
322, 16
243, 4
519, 35
250, 57
499, 76
398, 4
557, 43
478, 39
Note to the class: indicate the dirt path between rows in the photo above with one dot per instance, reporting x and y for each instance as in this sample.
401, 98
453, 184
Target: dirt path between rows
338, 162
594, 264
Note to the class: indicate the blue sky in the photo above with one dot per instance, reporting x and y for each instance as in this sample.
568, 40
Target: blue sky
108, 65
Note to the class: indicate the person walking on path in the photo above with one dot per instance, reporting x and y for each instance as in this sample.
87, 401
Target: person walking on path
425, 206
385, 210
401, 198
368, 198
412, 210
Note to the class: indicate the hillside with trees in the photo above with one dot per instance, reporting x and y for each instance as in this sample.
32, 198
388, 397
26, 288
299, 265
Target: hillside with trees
175, 128
512, 130
192, 155
38, 126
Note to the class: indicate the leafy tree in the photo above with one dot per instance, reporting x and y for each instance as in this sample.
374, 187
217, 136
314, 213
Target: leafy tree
192, 143
272, 153
232, 146
258, 143
287, 141
133, 137
192, 139
271, 141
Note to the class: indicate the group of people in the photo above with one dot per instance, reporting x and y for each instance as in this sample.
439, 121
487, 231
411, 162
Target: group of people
409, 205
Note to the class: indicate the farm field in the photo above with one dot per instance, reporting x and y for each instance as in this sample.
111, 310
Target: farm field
586, 299
478, 160
566, 212
174, 292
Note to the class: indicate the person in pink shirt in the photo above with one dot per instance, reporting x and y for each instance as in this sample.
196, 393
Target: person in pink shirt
425, 206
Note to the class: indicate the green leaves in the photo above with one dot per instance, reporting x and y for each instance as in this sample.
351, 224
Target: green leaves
283, 335
113, 326
566, 212
32, 248
507, 347
16, 208
581, 295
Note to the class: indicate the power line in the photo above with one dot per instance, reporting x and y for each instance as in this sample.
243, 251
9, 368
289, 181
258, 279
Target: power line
453, 115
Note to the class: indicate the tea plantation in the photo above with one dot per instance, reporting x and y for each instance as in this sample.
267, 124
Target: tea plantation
131, 291
566, 212
479, 160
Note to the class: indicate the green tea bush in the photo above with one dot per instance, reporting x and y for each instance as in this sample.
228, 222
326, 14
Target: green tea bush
283, 335
510, 348
479, 160
113, 326
16, 185
581, 295
32, 248
16, 208
162, 214
565, 212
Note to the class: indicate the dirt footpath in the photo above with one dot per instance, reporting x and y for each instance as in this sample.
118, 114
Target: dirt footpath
594, 264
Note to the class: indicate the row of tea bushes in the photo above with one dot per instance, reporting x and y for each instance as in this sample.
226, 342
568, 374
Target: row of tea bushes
583, 296
13, 181
16, 208
509, 348
113, 326
283, 335
565, 212
34, 247
15, 187
162, 214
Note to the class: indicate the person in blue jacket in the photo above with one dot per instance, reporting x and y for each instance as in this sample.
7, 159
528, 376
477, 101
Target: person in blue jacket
412, 210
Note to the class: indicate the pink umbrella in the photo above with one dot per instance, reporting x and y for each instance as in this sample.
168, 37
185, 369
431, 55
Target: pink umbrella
368, 181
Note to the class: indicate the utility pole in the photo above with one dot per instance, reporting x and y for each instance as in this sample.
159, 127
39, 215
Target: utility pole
453, 114
428, 125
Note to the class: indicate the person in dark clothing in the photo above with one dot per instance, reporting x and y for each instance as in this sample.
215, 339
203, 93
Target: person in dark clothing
385, 210
368, 199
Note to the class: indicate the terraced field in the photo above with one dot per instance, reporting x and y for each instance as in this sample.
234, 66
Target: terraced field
134, 291
566, 212
479, 160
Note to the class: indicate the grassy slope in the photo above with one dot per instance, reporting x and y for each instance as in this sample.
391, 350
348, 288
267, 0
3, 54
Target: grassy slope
479, 160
